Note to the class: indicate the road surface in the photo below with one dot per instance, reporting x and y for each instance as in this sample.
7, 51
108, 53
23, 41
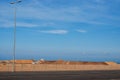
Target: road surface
62, 75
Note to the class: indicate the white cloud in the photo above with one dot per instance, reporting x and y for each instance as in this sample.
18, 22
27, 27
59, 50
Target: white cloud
55, 31
84, 13
82, 31
27, 25
100, 1
69, 14
48, 24
43, 12
8, 24
87, 13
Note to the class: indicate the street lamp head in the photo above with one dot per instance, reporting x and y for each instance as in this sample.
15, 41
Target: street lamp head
18, 1
12, 3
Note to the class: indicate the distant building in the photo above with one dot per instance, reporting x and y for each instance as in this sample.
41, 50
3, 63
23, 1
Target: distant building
22, 61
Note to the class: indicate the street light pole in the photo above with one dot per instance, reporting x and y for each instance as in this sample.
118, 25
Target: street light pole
14, 46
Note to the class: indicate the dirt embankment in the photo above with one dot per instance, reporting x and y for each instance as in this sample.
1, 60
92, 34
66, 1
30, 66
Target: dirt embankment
72, 62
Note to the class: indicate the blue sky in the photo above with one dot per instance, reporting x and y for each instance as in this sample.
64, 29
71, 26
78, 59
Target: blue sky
84, 30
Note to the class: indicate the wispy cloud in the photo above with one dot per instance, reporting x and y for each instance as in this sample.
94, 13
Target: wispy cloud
54, 31
89, 12
8, 24
49, 10
82, 31
27, 25
69, 14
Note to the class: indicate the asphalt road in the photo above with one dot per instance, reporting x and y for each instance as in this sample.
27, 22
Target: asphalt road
61, 75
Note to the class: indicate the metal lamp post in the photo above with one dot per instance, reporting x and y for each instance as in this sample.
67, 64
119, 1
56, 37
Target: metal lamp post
14, 47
